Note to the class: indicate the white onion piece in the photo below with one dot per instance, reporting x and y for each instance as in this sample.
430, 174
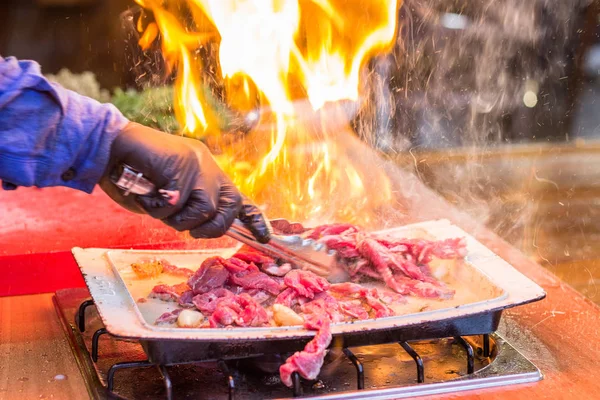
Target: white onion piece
285, 316
190, 319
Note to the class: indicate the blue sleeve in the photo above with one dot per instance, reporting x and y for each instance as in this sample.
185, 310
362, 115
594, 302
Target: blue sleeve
50, 136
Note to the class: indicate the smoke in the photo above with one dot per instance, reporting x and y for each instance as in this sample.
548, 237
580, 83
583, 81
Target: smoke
459, 77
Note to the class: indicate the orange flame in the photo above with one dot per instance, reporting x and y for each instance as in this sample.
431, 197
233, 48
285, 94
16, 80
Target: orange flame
301, 58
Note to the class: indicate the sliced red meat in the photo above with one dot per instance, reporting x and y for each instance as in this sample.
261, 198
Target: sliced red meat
287, 298
259, 295
253, 256
186, 299
376, 299
211, 274
423, 250
170, 317
347, 288
255, 280
169, 293
450, 248
325, 304
344, 246
241, 310
385, 262
207, 302
306, 283
354, 309
225, 313
234, 265
426, 289
252, 314
308, 362
373, 300
333, 229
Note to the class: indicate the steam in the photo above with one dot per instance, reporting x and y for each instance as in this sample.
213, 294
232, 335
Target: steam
459, 70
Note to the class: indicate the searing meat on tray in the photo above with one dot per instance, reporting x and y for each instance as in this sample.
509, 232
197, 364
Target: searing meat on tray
251, 289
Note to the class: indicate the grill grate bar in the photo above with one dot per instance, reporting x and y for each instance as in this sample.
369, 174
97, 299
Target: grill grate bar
418, 361
80, 316
486, 345
95, 339
167, 379
470, 354
297, 384
110, 385
360, 371
230, 380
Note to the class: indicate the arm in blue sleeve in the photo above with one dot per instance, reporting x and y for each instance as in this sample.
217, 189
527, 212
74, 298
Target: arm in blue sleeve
50, 136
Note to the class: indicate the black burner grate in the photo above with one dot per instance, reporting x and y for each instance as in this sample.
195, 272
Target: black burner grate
484, 349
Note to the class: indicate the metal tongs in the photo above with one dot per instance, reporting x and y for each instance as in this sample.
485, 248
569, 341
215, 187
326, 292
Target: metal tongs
300, 252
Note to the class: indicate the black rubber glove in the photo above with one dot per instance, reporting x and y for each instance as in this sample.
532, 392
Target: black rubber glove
201, 198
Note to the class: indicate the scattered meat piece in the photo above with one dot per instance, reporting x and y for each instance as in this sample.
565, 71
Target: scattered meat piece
354, 309
345, 247
324, 305
426, 289
255, 280
381, 310
225, 313
278, 270
370, 272
253, 256
175, 270
241, 310
308, 365
234, 265
170, 317
384, 261
142, 300
375, 299
186, 299
252, 314
169, 293
423, 250
308, 362
333, 229
147, 269
306, 283
347, 288
207, 302
211, 274
378, 255
288, 298
450, 248
259, 295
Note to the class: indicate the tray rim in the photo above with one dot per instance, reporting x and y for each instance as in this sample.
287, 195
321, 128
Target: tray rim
121, 316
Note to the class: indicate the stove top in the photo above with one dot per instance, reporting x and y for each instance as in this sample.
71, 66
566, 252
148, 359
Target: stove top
387, 371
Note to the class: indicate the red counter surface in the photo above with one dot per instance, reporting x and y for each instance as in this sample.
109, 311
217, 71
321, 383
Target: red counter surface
38, 228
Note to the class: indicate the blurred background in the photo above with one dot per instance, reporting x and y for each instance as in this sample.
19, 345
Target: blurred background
493, 104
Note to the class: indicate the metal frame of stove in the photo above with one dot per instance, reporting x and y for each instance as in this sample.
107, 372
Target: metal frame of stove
523, 371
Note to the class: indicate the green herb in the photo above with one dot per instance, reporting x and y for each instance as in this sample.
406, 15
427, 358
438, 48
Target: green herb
152, 107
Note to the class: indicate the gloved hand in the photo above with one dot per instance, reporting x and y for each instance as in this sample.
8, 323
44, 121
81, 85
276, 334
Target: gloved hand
201, 198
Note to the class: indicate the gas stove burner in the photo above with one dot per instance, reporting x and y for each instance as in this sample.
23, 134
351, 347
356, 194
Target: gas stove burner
265, 365
115, 367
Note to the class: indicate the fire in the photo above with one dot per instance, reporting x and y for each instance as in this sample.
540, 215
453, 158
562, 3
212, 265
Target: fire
296, 65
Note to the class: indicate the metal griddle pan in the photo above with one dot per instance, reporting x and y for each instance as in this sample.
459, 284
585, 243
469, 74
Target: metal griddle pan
485, 286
